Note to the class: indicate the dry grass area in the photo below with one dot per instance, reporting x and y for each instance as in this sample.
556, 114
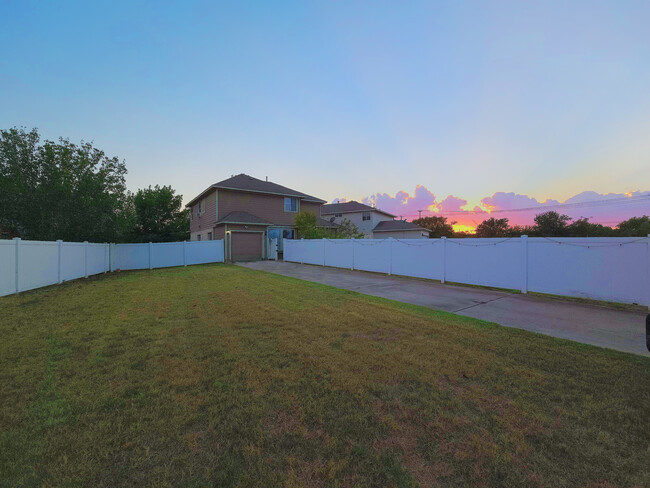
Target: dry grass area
222, 376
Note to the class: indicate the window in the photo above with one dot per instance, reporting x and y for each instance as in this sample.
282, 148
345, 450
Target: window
365, 216
198, 237
338, 215
290, 204
201, 208
209, 236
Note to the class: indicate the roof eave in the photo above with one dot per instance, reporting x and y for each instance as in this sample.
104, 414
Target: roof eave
306, 197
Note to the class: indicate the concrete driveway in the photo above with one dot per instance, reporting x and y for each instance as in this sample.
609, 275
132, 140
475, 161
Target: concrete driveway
623, 330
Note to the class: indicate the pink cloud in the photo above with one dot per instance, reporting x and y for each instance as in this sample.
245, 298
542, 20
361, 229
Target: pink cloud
403, 203
451, 203
608, 209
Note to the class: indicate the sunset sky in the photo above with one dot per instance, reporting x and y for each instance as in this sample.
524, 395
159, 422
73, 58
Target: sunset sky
435, 106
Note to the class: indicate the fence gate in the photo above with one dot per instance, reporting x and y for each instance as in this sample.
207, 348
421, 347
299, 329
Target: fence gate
272, 249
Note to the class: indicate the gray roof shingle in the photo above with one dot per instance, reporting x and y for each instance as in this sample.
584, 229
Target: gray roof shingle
348, 207
244, 182
396, 225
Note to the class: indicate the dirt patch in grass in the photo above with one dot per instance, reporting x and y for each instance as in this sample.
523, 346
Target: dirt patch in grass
222, 376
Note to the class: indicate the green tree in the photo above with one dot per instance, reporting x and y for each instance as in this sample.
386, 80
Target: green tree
60, 190
347, 230
439, 226
583, 228
159, 215
551, 224
307, 226
634, 227
493, 228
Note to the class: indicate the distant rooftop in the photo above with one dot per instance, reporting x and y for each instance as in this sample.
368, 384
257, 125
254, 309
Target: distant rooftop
349, 207
243, 182
396, 225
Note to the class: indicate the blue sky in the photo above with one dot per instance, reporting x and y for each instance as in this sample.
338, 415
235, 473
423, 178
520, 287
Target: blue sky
343, 99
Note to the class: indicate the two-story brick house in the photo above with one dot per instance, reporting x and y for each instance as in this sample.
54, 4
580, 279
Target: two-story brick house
245, 211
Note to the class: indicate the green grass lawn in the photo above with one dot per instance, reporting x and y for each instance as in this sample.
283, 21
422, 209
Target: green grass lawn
217, 375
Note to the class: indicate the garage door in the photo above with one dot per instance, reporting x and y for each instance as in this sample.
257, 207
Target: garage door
246, 246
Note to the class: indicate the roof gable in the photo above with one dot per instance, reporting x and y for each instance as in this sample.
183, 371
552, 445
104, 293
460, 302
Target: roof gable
349, 207
244, 182
396, 225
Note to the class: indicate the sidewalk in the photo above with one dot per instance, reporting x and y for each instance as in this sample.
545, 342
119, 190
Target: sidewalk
623, 330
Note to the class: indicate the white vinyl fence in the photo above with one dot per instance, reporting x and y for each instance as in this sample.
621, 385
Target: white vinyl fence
25, 265
613, 269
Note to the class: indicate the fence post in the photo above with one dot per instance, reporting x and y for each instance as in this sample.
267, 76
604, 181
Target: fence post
443, 239
107, 257
85, 259
184, 253
524, 254
390, 256
324, 243
302, 250
17, 245
150, 252
353, 241
59, 244
111, 257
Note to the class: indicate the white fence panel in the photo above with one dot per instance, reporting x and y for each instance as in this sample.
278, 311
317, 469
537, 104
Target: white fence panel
72, 261
421, 258
201, 252
372, 255
304, 251
7, 267
166, 254
614, 269
38, 264
131, 256
97, 258
43, 263
339, 253
486, 262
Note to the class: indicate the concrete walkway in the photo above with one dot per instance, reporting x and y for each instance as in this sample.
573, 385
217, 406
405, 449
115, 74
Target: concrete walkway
592, 324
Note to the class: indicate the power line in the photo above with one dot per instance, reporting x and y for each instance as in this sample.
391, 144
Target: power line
612, 202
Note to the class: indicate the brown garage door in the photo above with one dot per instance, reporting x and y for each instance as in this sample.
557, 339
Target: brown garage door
246, 246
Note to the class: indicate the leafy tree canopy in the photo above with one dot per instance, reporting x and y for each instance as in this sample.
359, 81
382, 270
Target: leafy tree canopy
636, 226
552, 224
308, 228
438, 225
60, 190
493, 228
159, 215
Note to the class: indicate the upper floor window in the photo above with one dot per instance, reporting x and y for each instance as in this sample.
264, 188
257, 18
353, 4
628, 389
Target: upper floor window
201, 207
290, 204
365, 216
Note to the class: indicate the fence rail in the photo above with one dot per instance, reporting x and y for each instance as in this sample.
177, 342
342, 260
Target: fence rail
612, 269
26, 265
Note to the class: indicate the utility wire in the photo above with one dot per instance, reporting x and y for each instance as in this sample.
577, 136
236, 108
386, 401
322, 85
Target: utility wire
612, 202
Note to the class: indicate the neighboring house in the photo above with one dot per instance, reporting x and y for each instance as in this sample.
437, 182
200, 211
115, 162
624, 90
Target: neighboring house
365, 217
246, 212
399, 229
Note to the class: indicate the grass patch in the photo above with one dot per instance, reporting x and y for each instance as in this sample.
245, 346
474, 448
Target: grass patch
218, 375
